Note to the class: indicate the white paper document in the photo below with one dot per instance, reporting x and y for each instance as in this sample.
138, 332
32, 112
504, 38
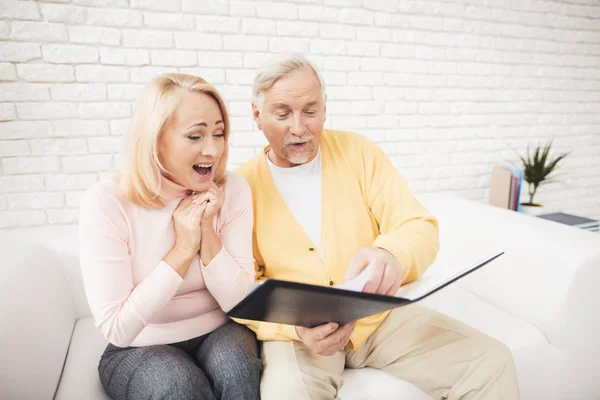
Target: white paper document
357, 283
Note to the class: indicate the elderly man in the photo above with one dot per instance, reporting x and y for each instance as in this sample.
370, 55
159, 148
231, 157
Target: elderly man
327, 203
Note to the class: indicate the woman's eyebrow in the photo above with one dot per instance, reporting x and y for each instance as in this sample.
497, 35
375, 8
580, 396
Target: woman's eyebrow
204, 124
197, 124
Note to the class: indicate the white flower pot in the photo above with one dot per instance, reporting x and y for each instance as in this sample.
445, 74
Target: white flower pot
538, 209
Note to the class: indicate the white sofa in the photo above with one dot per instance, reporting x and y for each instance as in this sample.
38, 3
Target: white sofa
540, 298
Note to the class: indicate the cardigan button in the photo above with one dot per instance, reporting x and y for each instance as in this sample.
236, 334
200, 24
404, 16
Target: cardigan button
330, 283
311, 249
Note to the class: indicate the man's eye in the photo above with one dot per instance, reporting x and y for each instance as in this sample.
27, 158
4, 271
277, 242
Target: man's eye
282, 115
311, 113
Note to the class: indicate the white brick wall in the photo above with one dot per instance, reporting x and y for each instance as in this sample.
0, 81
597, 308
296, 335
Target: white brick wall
446, 88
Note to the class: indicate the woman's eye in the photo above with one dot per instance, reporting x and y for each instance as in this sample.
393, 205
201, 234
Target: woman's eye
193, 137
219, 135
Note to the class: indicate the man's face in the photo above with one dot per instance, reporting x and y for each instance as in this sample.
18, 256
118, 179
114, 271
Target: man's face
292, 118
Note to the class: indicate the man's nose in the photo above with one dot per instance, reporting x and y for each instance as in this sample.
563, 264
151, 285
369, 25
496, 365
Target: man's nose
297, 127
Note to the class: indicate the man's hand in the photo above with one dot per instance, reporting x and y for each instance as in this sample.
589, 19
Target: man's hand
386, 276
327, 339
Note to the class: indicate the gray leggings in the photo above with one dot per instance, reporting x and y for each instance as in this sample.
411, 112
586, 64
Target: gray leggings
223, 364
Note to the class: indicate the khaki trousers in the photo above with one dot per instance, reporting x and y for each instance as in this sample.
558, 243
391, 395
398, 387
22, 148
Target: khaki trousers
441, 356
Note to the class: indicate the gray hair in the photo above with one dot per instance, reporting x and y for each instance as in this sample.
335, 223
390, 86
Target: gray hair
276, 68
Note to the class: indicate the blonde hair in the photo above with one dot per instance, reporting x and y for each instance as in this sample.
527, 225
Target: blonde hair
141, 175
276, 68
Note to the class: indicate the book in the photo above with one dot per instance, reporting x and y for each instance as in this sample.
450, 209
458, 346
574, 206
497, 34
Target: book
505, 189
572, 220
500, 187
519, 177
301, 304
512, 204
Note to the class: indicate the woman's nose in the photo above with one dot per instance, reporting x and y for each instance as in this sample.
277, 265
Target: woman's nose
209, 148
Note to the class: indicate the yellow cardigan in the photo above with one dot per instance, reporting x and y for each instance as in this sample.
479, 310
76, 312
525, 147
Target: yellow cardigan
365, 203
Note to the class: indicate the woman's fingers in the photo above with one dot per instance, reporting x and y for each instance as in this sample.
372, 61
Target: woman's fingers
201, 198
197, 211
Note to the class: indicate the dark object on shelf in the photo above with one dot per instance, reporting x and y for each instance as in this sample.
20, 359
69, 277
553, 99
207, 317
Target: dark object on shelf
573, 220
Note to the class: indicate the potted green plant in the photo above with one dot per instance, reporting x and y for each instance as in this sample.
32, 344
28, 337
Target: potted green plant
539, 169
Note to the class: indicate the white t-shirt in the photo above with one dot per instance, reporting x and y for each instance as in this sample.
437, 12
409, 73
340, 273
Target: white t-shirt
300, 188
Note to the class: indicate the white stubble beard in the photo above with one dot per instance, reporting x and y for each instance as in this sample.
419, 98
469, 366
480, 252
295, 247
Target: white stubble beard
299, 158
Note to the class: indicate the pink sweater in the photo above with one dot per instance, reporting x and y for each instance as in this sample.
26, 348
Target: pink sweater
135, 297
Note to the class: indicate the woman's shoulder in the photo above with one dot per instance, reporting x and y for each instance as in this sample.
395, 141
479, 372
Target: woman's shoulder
237, 191
235, 184
104, 196
104, 208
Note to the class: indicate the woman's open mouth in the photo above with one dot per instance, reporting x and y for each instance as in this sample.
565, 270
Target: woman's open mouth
203, 169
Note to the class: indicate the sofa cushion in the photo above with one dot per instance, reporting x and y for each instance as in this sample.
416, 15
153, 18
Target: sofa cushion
80, 375
369, 383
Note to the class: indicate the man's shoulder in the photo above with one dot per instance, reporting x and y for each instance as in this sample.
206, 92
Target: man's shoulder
349, 142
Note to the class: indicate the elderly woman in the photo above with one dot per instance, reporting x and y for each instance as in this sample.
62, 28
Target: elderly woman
166, 250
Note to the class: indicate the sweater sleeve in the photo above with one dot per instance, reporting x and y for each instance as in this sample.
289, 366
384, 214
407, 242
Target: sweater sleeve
121, 310
229, 273
267, 331
407, 229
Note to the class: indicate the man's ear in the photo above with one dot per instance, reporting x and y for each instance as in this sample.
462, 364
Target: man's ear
256, 116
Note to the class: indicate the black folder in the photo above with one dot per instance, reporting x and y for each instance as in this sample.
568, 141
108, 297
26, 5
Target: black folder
301, 304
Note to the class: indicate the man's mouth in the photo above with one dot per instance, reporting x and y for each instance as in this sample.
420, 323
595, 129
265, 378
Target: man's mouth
203, 169
298, 145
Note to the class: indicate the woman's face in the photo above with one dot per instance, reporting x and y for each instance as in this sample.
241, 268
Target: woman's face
193, 141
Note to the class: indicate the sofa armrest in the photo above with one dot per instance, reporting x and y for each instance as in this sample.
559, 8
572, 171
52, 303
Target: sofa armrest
578, 327
38, 317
